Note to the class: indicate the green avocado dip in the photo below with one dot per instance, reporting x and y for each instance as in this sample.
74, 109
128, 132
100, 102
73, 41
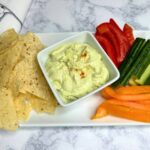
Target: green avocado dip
76, 69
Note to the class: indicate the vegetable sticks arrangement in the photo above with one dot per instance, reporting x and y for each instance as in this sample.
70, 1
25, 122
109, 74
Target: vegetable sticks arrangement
129, 97
130, 102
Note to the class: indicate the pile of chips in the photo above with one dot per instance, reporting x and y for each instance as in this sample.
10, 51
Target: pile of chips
23, 87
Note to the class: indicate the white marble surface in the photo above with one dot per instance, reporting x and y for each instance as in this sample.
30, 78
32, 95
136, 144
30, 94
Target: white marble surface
78, 15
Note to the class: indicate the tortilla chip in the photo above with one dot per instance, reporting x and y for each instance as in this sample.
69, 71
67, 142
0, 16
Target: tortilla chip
22, 70
32, 45
18, 78
39, 105
25, 103
7, 39
23, 107
8, 60
37, 85
8, 117
27, 75
21, 74
25, 80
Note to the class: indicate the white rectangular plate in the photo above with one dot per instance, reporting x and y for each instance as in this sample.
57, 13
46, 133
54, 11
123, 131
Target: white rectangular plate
80, 113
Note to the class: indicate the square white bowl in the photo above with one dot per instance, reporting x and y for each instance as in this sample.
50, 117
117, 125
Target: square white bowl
83, 37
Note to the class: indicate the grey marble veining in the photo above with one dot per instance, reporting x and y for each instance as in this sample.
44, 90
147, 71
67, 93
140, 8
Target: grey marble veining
79, 15
89, 138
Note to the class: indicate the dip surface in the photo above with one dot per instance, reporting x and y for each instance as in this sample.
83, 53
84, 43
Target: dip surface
76, 69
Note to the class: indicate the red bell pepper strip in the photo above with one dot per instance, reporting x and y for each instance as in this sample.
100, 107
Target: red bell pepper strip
122, 42
128, 32
107, 46
117, 39
104, 30
114, 34
114, 24
112, 21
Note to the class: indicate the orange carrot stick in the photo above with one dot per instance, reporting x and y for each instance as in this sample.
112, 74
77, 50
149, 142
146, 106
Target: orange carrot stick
133, 89
105, 95
109, 92
100, 112
131, 104
126, 112
126, 105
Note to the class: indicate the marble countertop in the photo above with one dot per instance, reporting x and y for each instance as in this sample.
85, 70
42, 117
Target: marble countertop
79, 15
